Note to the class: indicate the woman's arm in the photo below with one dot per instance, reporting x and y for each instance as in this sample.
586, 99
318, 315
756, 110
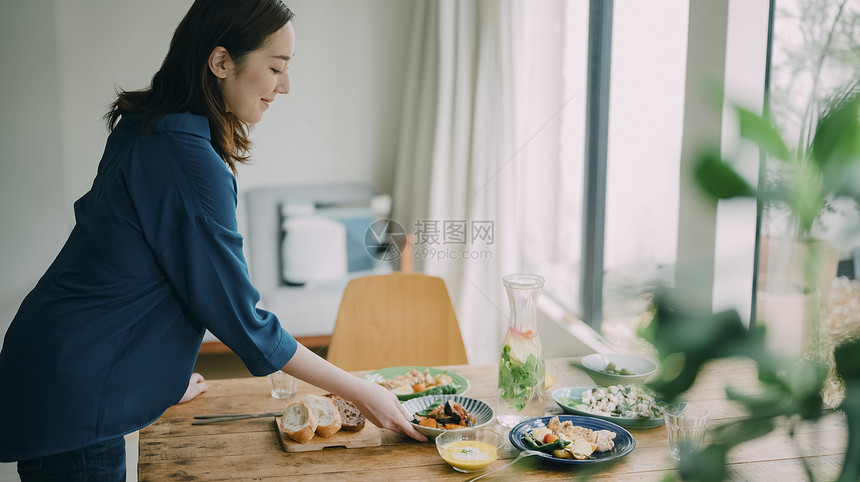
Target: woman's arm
378, 404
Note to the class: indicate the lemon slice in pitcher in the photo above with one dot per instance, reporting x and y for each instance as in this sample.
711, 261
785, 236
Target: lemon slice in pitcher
549, 380
521, 348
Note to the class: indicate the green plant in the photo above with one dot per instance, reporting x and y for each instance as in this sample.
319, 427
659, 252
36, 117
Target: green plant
790, 388
815, 65
827, 169
807, 180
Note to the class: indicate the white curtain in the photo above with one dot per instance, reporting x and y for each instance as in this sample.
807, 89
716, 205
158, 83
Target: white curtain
483, 109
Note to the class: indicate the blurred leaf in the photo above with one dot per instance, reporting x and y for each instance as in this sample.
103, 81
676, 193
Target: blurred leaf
835, 147
808, 198
851, 406
675, 331
847, 357
763, 133
805, 381
788, 388
845, 181
720, 180
735, 433
699, 337
837, 135
709, 465
671, 389
764, 403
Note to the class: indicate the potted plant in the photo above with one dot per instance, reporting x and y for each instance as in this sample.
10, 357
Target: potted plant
790, 387
797, 269
815, 66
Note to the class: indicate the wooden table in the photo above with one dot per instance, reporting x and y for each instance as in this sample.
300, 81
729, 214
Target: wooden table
171, 448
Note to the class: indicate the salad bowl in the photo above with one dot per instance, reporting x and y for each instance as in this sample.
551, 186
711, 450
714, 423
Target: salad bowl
607, 369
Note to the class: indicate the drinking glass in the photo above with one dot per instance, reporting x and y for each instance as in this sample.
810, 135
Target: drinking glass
282, 385
686, 424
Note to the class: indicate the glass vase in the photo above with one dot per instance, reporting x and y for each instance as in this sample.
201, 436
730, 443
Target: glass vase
521, 365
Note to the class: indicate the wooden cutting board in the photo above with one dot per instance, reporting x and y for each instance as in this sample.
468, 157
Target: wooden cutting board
369, 436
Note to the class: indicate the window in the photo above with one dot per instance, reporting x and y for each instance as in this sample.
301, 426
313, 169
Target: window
646, 116
648, 95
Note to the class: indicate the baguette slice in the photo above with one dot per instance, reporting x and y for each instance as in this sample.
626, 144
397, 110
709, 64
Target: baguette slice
299, 422
325, 412
350, 416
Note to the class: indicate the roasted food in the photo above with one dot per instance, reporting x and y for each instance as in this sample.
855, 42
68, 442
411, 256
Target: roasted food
565, 440
449, 415
414, 384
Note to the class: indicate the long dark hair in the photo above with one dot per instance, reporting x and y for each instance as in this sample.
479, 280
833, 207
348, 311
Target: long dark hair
185, 84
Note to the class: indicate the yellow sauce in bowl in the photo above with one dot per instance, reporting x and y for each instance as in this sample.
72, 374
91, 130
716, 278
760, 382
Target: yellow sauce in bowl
469, 455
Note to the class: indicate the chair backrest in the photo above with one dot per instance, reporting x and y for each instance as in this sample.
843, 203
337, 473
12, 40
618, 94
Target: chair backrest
396, 319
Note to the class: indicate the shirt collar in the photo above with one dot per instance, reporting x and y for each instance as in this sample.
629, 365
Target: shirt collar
194, 124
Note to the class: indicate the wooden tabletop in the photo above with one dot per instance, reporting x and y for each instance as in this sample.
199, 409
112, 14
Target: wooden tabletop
171, 448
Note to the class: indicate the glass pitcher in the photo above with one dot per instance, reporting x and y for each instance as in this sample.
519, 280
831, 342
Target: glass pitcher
521, 365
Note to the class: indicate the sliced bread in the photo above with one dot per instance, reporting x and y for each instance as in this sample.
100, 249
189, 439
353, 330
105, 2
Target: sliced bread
325, 412
351, 417
299, 422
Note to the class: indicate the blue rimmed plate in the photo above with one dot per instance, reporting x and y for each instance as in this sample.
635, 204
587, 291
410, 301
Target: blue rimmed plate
569, 398
482, 412
624, 441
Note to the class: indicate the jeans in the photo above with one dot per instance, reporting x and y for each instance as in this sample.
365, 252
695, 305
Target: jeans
103, 461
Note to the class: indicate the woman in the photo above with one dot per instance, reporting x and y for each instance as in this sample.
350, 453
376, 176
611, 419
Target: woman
107, 339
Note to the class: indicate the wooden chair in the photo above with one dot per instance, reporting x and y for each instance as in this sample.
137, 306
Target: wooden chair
394, 320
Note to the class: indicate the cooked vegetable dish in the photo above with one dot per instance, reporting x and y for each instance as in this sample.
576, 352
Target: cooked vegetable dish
611, 369
416, 384
444, 415
565, 440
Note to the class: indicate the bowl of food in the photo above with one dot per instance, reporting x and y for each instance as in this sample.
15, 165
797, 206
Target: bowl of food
410, 382
470, 450
631, 406
436, 414
607, 369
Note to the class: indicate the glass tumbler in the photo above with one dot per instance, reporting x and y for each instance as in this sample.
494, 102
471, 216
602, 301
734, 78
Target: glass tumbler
686, 424
282, 385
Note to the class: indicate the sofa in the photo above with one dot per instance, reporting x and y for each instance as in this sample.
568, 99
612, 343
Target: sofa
303, 244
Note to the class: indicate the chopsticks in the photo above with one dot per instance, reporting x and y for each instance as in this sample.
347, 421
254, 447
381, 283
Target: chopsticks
226, 417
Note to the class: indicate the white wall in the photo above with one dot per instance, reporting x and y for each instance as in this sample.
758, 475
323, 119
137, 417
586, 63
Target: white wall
32, 221
63, 60
341, 120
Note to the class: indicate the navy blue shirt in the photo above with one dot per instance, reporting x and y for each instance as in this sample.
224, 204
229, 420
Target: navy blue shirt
107, 339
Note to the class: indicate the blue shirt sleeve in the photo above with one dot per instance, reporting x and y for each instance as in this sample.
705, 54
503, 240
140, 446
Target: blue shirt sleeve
185, 199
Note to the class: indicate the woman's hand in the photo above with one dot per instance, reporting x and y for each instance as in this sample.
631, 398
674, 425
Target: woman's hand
196, 386
379, 405
384, 409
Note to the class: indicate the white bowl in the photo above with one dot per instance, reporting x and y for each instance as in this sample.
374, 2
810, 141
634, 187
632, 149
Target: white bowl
640, 368
482, 412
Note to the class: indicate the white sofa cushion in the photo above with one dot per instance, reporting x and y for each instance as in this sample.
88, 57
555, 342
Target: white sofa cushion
313, 249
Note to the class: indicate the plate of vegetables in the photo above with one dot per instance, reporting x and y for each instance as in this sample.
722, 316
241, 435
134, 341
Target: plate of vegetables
410, 382
629, 406
435, 414
572, 439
